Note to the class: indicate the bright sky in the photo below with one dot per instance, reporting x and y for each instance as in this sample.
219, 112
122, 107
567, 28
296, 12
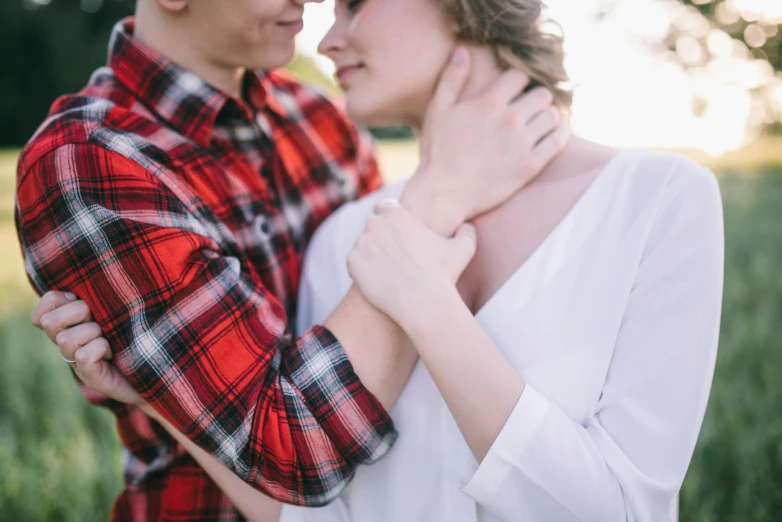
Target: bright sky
627, 94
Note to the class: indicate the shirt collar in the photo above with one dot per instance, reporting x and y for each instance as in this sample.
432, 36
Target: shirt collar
180, 97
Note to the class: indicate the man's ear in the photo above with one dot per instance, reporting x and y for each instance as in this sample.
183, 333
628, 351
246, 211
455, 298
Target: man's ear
172, 5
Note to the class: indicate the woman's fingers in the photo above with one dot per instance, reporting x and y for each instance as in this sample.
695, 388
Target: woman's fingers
508, 87
48, 302
461, 249
452, 79
102, 376
71, 339
67, 315
386, 205
553, 143
543, 124
93, 352
532, 103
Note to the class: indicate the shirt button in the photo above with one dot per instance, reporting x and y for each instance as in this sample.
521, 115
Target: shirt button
263, 225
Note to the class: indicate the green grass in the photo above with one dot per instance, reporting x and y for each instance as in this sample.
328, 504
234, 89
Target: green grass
59, 456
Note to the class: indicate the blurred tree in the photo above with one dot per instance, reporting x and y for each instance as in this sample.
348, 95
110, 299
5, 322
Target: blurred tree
760, 32
49, 47
705, 34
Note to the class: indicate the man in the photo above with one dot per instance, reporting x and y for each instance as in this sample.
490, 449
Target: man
175, 195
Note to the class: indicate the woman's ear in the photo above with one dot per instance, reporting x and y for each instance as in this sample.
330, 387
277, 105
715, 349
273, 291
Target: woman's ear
452, 26
172, 6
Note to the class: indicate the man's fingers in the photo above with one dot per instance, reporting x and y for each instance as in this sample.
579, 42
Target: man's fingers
70, 314
48, 302
452, 79
506, 88
93, 352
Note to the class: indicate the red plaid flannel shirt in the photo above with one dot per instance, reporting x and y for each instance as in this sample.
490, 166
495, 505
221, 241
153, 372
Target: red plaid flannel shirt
180, 215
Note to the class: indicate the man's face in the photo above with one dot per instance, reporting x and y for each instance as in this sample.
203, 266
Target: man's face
255, 34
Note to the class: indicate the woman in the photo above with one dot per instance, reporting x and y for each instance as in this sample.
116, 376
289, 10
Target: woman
566, 357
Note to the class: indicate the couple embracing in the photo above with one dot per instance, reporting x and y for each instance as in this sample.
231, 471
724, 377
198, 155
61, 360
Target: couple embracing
525, 329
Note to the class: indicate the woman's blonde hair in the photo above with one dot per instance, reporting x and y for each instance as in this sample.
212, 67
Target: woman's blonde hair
518, 32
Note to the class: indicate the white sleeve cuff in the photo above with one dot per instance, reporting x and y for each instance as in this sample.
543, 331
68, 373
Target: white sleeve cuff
481, 482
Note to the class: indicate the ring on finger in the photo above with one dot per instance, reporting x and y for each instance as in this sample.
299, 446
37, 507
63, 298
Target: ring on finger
65, 359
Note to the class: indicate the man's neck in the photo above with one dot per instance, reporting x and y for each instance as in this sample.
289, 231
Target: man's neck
172, 41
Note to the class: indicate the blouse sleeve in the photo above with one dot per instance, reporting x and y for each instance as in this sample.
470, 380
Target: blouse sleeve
627, 462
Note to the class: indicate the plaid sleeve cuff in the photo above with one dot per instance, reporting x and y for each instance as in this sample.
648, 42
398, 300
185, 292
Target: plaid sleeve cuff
352, 417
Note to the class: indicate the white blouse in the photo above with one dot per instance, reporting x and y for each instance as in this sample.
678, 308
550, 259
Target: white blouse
613, 323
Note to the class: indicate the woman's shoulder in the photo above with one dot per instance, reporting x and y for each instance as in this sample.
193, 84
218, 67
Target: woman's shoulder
668, 169
636, 173
664, 193
669, 178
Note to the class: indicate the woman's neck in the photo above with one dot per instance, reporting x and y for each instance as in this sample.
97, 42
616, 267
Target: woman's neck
483, 71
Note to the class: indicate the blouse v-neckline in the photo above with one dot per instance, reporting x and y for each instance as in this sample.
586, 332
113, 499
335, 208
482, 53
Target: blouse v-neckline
552, 242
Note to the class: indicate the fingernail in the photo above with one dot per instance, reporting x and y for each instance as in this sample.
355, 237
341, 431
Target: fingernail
458, 56
69, 296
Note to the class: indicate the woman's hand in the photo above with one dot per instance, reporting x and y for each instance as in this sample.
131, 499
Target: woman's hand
402, 267
476, 152
68, 323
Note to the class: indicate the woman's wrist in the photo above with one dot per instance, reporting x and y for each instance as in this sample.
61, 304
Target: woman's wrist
427, 314
425, 198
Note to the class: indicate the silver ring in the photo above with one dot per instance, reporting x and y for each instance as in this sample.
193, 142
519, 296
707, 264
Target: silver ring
64, 359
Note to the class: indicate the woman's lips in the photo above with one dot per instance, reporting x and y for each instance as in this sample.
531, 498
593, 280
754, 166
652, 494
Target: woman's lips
346, 72
293, 27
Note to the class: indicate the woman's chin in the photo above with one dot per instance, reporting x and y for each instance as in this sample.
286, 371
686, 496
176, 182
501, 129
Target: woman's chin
367, 114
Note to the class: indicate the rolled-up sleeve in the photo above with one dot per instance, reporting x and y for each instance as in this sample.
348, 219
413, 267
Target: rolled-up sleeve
629, 460
201, 340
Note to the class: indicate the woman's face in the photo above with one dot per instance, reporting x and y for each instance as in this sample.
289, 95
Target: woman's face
389, 54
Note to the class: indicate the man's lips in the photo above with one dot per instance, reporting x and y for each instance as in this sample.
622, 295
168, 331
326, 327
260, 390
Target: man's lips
293, 26
346, 71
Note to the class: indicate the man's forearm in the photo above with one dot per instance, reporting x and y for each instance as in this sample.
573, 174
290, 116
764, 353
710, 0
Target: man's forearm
379, 351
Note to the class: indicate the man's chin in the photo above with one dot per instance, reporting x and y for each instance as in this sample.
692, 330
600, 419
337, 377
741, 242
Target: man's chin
276, 59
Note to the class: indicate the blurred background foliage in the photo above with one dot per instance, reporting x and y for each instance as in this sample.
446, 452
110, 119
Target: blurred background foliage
60, 457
